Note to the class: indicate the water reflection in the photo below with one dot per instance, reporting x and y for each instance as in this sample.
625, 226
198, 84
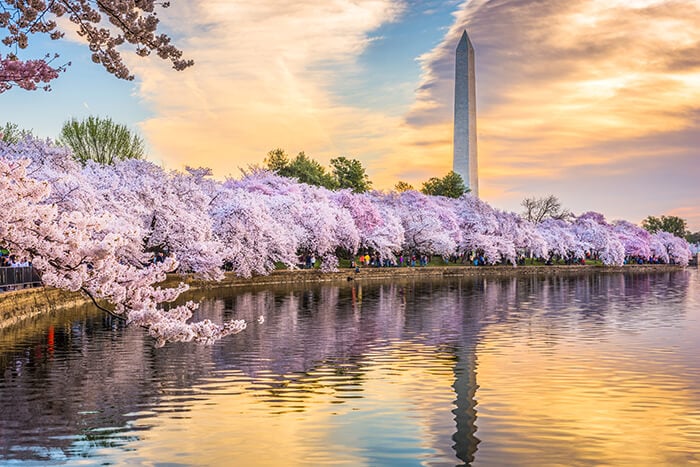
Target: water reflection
573, 369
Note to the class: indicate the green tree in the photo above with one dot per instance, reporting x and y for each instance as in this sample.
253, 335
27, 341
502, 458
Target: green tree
101, 140
11, 133
302, 167
309, 171
451, 185
403, 186
693, 237
671, 224
349, 173
277, 160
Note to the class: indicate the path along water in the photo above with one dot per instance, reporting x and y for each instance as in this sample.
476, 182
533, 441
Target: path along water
576, 370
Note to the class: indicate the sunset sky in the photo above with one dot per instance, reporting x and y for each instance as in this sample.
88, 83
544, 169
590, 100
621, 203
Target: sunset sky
595, 101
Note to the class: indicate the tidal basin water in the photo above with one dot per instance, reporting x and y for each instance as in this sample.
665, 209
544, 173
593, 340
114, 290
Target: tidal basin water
572, 370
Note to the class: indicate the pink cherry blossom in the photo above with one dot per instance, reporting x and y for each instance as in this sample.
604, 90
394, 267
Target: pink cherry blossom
95, 229
28, 75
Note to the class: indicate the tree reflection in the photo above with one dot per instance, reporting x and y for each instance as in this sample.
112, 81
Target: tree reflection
77, 381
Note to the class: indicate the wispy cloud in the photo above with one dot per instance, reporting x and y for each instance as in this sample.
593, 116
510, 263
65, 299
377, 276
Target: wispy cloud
264, 78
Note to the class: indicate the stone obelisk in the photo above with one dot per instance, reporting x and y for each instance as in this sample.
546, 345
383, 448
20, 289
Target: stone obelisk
465, 160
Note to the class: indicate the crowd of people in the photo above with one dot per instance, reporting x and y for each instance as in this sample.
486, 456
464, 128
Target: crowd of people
370, 259
15, 272
572, 260
374, 260
11, 261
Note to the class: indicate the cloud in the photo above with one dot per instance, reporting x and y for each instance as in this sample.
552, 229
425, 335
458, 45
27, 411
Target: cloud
572, 96
567, 86
263, 78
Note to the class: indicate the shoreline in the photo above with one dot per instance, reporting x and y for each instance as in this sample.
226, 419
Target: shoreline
18, 305
303, 276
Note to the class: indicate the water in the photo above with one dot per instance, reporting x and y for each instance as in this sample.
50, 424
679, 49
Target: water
576, 370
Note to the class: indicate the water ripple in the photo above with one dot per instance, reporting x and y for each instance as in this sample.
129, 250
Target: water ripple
576, 370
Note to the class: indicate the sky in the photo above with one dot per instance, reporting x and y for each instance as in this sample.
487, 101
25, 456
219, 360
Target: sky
594, 101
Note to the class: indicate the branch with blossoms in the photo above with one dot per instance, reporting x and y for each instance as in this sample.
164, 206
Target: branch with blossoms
106, 26
28, 74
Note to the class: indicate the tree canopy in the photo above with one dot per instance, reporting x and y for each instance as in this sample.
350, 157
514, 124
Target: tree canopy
349, 173
101, 140
451, 186
12, 133
308, 170
108, 26
671, 224
693, 237
402, 186
94, 228
277, 160
344, 173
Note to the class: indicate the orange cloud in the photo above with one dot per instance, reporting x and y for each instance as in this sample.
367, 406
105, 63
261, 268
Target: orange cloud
263, 79
587, 86
558, 81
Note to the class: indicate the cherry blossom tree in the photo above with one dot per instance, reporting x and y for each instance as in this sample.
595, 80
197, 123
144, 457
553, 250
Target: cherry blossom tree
162, 211
523, 235
388, 238
675, 249
108, 26
95, 228
379, 228
658, 249
384, 233
597, 237
28, 75
318, 225
253, 239
480, 230
364, 213
169, 208
70, 190
635, 239
428, 226
81, 251
561, 239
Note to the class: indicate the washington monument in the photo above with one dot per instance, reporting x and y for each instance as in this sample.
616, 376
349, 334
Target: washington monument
465, 161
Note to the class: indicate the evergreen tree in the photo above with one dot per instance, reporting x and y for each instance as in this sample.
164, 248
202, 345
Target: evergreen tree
277, 160
349, 173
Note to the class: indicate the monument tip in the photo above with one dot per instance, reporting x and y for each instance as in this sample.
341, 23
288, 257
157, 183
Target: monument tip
464, 42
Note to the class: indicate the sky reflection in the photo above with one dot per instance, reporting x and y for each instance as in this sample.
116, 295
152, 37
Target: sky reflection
529, 371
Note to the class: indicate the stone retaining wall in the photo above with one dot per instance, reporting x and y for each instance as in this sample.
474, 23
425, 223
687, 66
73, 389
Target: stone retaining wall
18, 305
21, 304
370, 274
